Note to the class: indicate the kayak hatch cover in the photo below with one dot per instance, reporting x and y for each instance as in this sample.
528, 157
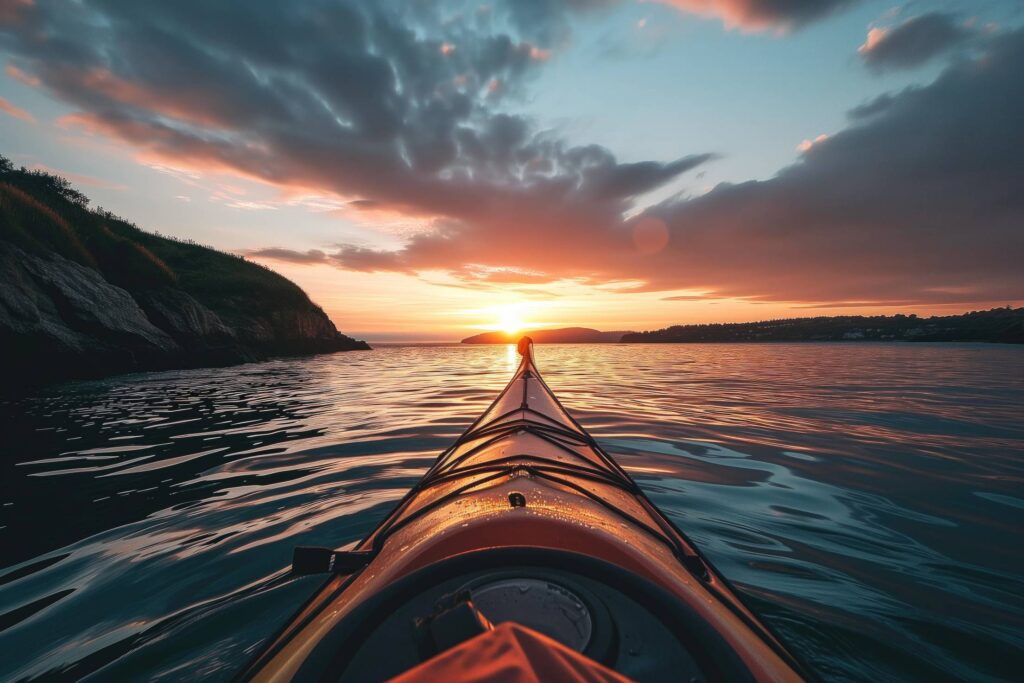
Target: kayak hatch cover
524, 519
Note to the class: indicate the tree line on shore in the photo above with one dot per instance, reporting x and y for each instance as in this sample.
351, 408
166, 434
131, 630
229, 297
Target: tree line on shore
1004, 325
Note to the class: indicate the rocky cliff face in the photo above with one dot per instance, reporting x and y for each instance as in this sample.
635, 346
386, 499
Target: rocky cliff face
84, 293
60, 319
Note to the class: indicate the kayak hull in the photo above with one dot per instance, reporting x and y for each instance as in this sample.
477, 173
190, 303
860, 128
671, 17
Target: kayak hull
526, 490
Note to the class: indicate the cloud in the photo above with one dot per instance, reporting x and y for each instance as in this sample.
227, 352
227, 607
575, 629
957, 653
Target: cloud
759, 15
358, 100
918, 199
15, 111
806, 145
288, 255
688, 297
11, 11
914, 42
20, 76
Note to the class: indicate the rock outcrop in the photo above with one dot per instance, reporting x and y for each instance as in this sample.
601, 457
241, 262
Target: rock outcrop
194, 326
84, 294
61, 313
59, 319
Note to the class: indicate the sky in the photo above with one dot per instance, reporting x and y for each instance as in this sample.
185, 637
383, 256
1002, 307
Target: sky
427, 170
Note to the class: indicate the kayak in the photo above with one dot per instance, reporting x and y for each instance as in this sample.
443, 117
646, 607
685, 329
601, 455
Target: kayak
525, 520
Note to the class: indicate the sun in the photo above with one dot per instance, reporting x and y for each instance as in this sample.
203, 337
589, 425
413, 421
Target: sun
510, 318
510, 323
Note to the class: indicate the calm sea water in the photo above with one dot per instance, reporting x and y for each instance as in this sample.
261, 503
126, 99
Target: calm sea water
866, 498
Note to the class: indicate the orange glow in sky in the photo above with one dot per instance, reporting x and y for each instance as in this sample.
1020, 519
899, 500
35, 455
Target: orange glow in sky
398, 307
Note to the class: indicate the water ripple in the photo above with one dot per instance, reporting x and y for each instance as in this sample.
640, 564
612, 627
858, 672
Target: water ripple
866, 498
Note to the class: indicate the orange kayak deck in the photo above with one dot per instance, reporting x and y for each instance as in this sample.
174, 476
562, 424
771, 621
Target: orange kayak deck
525, 493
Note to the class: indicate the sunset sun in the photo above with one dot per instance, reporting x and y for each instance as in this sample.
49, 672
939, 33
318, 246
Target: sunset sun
510, 323
508, 320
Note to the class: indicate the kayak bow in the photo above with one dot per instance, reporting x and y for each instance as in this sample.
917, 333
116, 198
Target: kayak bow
524, 519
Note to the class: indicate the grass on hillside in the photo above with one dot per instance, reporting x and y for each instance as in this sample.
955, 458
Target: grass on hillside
42, 213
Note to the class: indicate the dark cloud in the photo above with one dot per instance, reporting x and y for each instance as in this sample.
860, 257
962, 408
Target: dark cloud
915, 41
873, 107
402, 107
392, 105
920, 200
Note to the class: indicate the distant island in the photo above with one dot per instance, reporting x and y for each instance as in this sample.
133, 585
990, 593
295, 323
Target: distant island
1004, 325
562, 335
998, 325
87, 294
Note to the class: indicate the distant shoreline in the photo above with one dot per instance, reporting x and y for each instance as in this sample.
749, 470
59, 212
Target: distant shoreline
1003, 325
998, 325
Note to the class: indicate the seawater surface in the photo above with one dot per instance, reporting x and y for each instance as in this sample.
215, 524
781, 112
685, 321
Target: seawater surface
866, 498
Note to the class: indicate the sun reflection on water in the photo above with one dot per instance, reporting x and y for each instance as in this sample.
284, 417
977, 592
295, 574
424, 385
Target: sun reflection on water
511, 357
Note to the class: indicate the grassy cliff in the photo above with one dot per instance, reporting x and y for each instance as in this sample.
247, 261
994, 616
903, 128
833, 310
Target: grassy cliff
87, 293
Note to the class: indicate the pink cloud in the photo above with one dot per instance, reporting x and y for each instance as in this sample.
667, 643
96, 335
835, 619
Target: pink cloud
539, 54
875, 36
16, 112
759, 15
808, 144
22, 77
178, 103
